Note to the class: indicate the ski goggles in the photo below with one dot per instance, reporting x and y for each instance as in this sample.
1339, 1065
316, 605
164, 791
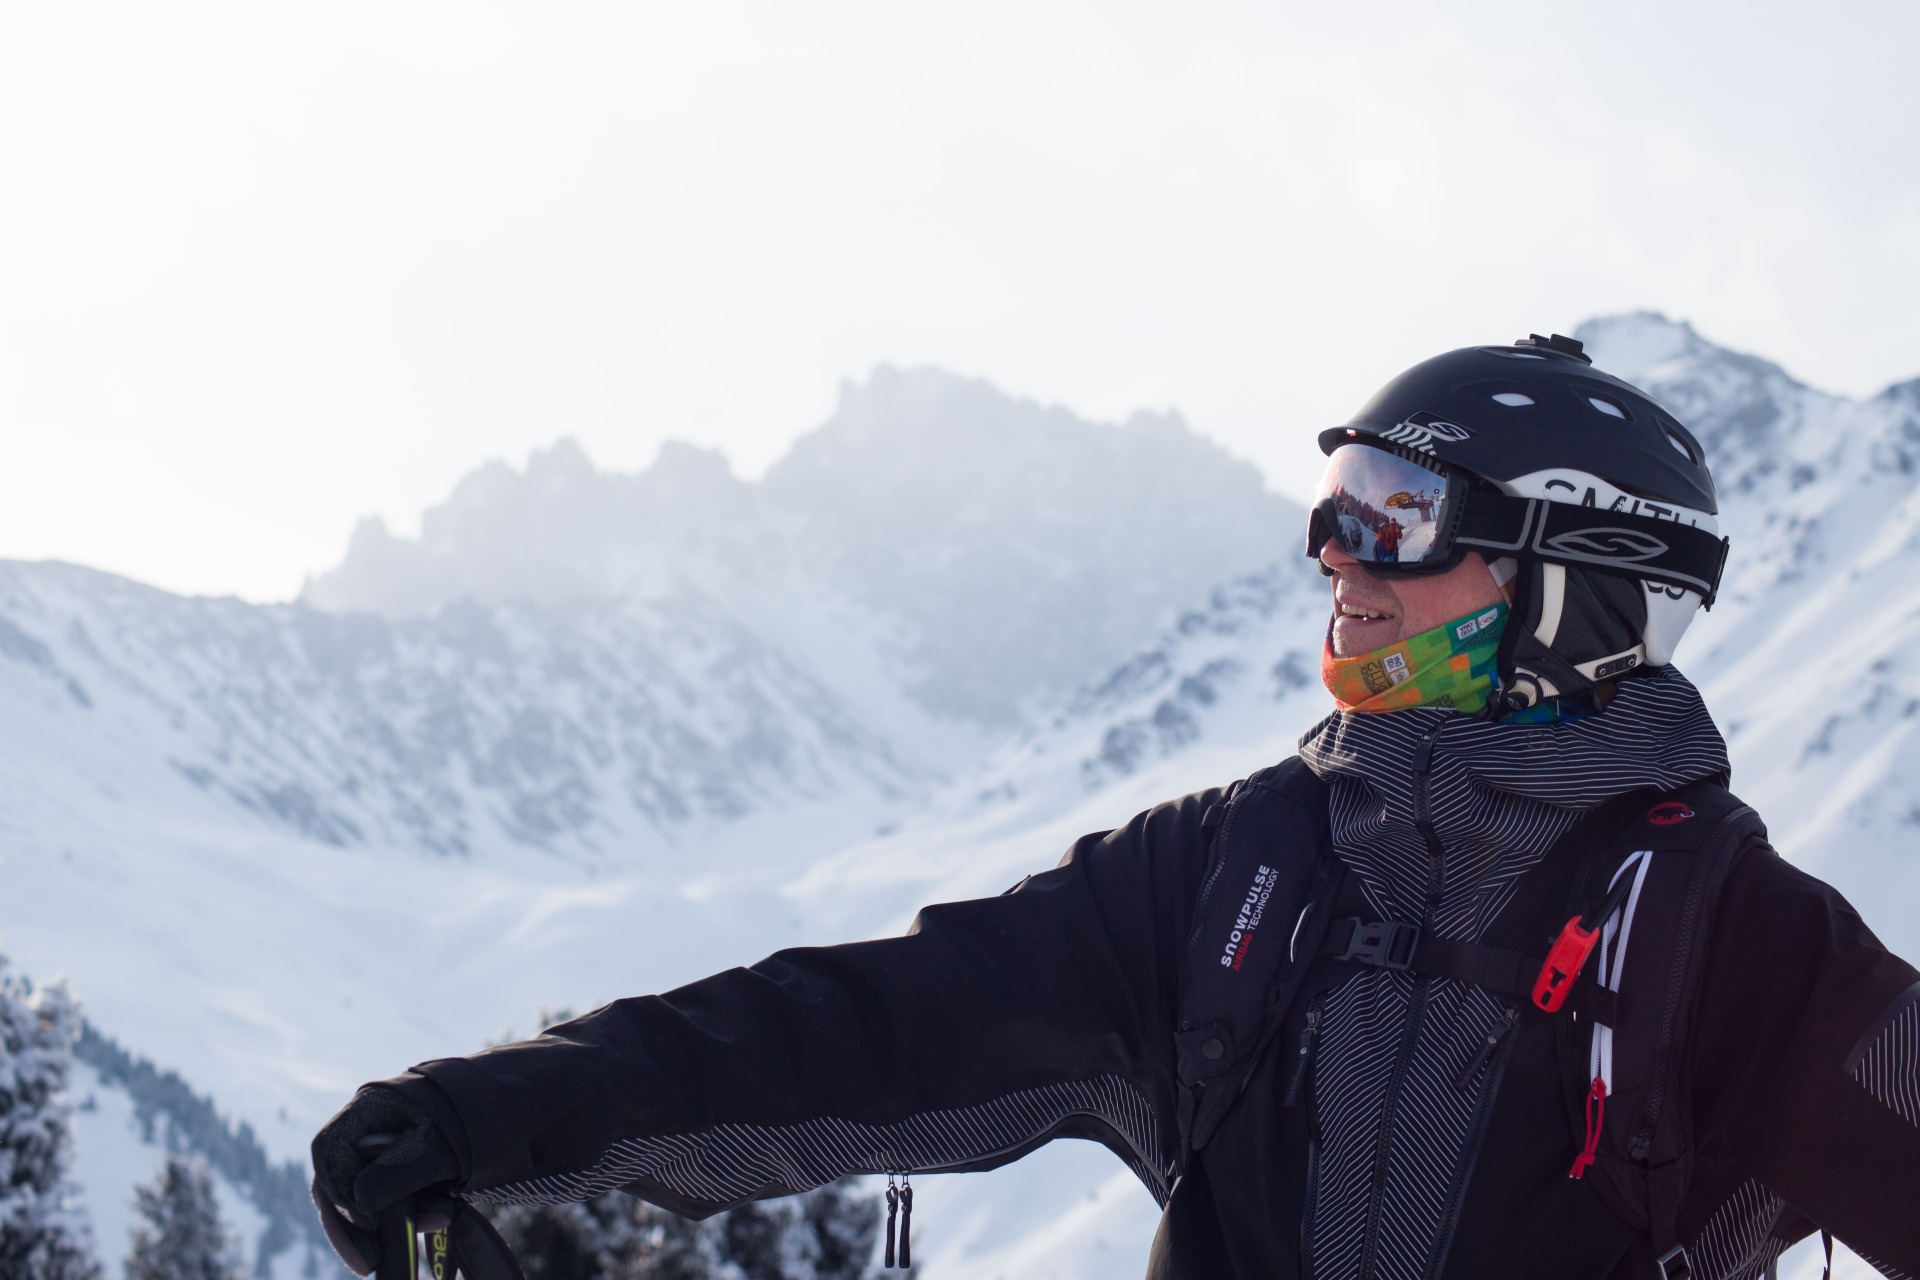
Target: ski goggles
1401, 515
1386, 511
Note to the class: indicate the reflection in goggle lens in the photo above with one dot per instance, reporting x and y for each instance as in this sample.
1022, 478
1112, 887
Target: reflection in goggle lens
1387, 510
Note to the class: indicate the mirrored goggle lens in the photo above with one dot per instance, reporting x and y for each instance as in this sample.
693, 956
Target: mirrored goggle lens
1383, 508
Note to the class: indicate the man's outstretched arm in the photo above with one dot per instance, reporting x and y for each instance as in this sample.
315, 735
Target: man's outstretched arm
991, 1027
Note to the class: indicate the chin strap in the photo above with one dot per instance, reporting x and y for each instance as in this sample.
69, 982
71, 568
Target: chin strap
1530, 671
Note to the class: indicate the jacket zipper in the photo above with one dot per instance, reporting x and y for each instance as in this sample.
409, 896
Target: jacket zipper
1216, 863
1416, 1013
1488, 1047
1315, 1011
1306, 1215
1642, 1143
1307, 1036
1497, 1050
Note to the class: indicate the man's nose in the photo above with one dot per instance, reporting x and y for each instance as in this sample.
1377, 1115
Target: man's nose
1335, 558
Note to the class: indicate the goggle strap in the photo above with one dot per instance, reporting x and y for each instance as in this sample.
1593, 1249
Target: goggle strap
1632, 545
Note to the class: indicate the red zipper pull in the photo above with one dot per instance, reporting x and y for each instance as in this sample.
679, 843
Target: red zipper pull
1596, 1119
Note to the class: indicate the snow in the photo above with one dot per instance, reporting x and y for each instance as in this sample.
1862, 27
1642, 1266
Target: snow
283, 851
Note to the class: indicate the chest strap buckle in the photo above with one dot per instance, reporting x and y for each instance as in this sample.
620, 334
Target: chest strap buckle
1384, 944
1674, 1264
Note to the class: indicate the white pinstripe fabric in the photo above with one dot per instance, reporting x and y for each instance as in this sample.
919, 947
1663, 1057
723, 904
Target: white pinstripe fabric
730, 1163
1890, 1068
1737, 1241
1500, 795
1886, 1269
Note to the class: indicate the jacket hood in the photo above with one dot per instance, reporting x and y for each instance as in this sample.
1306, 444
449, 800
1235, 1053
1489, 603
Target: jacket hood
1497, 795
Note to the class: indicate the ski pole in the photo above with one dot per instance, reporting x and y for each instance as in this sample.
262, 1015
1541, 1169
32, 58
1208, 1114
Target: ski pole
394, 1234
397, 1240
479, 1254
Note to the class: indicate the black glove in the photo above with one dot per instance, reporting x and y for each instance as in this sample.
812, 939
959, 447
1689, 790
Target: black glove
383, 1170
378, 1152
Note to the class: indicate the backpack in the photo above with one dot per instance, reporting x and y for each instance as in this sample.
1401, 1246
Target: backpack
1645, 868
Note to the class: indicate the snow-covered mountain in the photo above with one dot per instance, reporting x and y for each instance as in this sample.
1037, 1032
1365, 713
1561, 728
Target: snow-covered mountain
590, 727
669, 722
1004, 548
1805, 659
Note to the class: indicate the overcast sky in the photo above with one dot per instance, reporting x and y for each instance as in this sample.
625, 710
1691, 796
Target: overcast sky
265, 269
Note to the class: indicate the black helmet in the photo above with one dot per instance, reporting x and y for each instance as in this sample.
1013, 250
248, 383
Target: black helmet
1582, 476
1534, 406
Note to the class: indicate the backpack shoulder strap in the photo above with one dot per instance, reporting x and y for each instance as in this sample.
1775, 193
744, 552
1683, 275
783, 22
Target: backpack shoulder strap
1677, 852
1254, 934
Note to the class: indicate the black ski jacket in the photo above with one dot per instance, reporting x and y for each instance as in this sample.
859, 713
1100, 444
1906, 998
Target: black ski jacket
997, 1025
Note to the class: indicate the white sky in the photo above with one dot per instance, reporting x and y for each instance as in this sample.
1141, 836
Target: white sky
265, 269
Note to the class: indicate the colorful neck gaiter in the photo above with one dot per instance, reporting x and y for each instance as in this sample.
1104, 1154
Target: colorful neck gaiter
1551, 711
1449, 666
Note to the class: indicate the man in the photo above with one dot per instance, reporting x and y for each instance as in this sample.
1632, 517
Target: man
1417, 1085
1386, 546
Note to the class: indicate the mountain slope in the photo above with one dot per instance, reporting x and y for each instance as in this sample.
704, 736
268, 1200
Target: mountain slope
597, 730
1805, 658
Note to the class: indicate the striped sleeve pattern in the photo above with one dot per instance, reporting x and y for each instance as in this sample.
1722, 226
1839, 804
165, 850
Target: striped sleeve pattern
1887, 1062
1738, 1241
1886, 1269
731, 1163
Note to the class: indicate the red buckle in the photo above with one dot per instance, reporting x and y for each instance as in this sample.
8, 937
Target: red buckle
1564, 962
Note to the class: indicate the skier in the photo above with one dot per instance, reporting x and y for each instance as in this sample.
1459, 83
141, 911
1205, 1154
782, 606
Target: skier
1493, 979
1386, 543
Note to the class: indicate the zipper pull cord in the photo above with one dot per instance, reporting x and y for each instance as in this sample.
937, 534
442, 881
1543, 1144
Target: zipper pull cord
1596, 1117
893, 1208
1616, 897
906, 1222
1487, 1047
1307, 1035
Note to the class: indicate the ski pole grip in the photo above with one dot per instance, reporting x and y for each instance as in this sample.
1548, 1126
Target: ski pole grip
397, 1239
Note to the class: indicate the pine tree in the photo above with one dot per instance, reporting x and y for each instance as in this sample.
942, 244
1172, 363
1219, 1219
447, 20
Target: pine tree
826, 1234
845, 1227
179, 1236
43, 1229
614, 1237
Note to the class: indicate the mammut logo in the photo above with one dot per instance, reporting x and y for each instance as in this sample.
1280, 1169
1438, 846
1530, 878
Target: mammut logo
1629, 545
1251, 909
1668, 813
1420, 430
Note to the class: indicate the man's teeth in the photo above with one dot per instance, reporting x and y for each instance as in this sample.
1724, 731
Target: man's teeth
1355, 611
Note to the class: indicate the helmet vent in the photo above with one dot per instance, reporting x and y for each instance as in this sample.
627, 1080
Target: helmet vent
1513, 399
1682, 442
1609, 408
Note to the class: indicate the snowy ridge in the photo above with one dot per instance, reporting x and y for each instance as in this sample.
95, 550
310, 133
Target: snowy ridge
997, 549
598, 730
